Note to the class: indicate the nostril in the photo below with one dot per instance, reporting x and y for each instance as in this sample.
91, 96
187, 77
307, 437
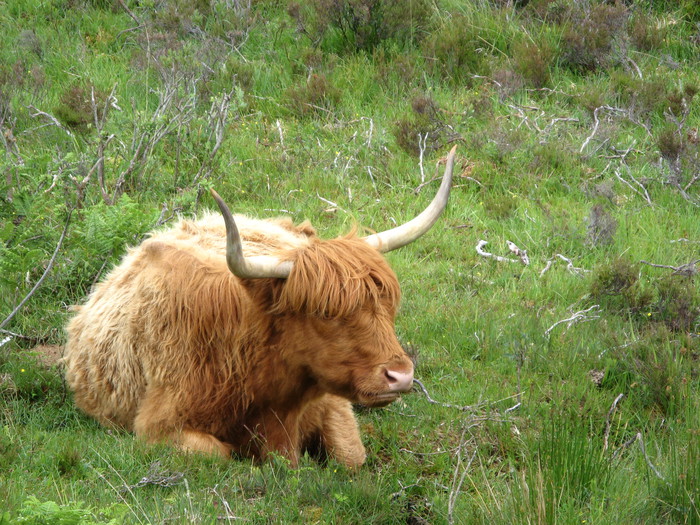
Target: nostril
399, 381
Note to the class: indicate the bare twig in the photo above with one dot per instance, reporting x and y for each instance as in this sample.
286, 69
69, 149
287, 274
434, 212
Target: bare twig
218, 119
640, 439
369, 132
480, 250
569, 265
465, 408
31, 338
53, 120
157, 476
597, 122
422, 140
518, 252
446, 405
330, 203
606, 435
229, 513
44, 275
579, 316
688, 269
644, 193
458, 476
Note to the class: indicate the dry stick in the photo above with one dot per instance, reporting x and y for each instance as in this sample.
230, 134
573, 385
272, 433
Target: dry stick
369, 133
111, 101
488, 255
217, 122
597, 123
464, 408
119, 492
54, 120
446, 405
422, 141
639, 438
555, 120
457, 483
646, 193
569, 266
41, 279
279, 130
688, 269
692, 181
520, 253
608, 419
330, 203
229, 513
578, 316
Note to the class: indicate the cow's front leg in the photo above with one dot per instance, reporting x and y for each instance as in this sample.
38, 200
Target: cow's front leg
329, 422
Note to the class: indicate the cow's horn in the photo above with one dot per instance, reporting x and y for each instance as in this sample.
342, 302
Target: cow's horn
406, 233
258, 267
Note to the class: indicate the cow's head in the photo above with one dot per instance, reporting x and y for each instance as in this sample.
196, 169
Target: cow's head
344, 298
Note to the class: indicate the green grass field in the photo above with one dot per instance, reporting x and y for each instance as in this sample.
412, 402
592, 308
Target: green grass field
565, 390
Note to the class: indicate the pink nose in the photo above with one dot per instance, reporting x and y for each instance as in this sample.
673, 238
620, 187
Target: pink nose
399, 381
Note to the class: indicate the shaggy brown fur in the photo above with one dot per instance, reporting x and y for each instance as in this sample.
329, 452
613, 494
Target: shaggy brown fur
175, 348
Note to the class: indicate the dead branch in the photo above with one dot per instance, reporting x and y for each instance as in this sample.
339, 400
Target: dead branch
172, 112
521, 254
597, 122
218, 119
369, 132
44, 275
33, 339
422, 141
157, 476
687, 270
53, 121
569, 265
460, 473
644, 193
578, 317
465, 408
227, 507
683, 239
606, 434
332, 204
9, 142
620, 153
640, 439
446, 405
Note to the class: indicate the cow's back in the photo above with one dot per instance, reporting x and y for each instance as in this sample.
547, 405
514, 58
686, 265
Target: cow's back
150, 319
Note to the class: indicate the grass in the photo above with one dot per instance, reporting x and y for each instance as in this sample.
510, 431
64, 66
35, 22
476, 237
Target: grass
557, 142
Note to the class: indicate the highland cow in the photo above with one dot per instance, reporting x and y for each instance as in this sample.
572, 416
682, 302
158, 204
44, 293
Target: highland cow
246, 336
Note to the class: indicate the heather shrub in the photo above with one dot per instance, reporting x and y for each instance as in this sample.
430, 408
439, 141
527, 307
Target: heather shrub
644, 33
313, 96
593, 36
75, 108
458, 49
601, 226
423, 129
362, 24
650, 373
616, 287
533, 62
678, 303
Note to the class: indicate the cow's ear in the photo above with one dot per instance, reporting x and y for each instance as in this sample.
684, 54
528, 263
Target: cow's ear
306, 228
